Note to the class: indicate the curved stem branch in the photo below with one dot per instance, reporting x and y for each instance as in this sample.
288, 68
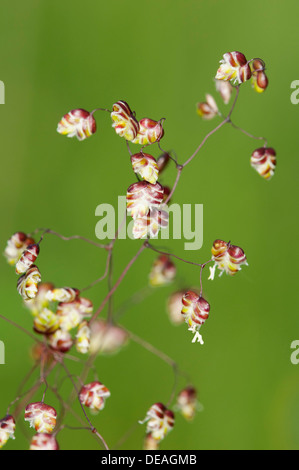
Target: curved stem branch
96, 314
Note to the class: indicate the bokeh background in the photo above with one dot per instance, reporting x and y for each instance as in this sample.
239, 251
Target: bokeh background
161, 57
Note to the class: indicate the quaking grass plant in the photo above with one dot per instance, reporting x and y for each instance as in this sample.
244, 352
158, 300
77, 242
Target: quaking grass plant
65, 320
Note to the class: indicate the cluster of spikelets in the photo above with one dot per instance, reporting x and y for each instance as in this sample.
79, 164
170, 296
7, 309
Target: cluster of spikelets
61, 316
43, 418
57, 312
188, 305
235, 68
185, 306
145, 198
227, 258
81, 124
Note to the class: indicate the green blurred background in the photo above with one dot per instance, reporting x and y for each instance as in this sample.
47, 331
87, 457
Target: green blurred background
161, 57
